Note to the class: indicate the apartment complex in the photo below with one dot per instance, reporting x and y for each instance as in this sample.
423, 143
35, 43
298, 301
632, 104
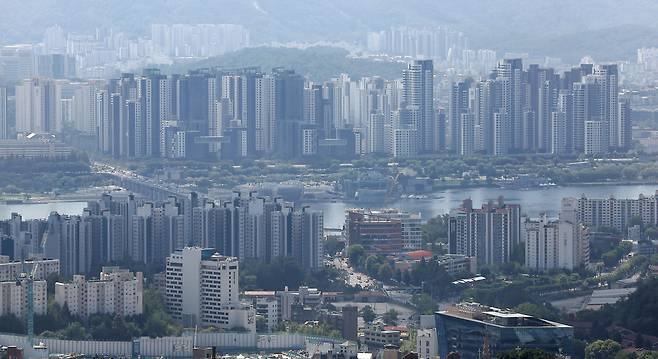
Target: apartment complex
12, 270
117, 291
611, 212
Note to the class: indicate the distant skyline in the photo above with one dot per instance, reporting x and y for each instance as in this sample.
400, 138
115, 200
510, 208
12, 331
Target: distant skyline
606, 29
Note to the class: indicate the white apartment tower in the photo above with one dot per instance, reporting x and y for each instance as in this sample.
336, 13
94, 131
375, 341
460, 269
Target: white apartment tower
202, 288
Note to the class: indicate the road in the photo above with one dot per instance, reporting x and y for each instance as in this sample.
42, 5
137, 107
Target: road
352, 277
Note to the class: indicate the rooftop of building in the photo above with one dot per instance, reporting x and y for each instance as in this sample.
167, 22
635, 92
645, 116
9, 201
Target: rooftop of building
420, 254
504, 318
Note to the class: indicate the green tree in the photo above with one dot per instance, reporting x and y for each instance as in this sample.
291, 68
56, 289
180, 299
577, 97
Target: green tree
354, 253
368, 314
602, 349
332, 245
74, 331
372, 265
385, 272
536, 310
391, 317
424, 303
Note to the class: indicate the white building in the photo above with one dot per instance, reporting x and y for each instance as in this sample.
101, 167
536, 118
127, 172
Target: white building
594, 138
427, 343
551, 244
117, 291
611, 212
202, 288
12, 270
13, 297
405, 142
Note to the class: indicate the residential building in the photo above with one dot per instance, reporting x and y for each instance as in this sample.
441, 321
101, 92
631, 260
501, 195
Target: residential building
4, 124
489, 234
117, 291
611, 212
554, 244
13, 297
12, 270
202, 288
427, 343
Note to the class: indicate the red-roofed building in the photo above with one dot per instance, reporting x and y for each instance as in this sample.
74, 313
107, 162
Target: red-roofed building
418, 255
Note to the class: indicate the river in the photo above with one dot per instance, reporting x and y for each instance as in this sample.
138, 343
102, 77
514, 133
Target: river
532, 201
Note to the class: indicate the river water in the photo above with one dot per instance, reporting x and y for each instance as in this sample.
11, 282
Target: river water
532, 201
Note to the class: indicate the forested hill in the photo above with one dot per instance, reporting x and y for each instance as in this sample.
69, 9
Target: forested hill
316, 63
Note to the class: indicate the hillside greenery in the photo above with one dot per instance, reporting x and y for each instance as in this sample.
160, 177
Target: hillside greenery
316, 63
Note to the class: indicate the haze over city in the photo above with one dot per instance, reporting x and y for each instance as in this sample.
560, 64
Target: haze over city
331, 180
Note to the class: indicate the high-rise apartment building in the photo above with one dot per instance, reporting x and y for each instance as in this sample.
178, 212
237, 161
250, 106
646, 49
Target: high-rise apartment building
36, 106
418, 94
536, 109
4, 125
490, 234
203, 288
554, 244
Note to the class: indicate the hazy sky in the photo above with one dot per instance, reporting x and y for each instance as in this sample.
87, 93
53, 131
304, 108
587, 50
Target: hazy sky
552, 27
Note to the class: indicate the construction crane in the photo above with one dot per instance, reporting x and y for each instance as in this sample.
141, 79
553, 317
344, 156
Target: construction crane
28, 279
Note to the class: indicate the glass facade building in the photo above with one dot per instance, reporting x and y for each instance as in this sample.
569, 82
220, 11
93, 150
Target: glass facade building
475, 332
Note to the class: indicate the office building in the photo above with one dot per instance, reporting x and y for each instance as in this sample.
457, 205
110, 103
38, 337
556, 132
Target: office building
385, 231
489, 234
475, 331
34, 146
375, 336
203, 289
117, 292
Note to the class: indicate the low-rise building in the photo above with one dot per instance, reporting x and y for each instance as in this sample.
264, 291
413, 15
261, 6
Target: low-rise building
33, 145
473, 330
452, 263
374, 335
117, 291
